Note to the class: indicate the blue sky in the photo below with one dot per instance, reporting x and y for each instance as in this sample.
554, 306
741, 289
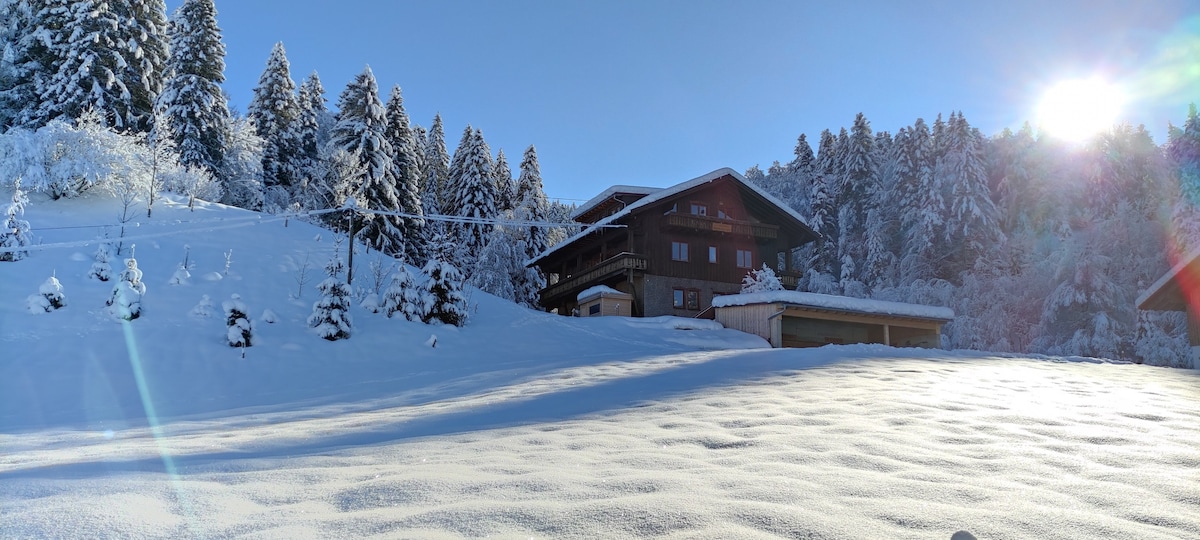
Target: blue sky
657, 92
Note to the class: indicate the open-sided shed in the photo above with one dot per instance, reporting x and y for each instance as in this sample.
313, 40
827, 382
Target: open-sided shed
799, 319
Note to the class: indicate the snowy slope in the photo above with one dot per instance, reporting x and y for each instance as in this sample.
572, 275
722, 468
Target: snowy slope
524, 424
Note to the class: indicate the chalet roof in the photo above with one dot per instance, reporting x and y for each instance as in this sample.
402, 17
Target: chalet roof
608, 193
844, 304
1166, 293
665, 193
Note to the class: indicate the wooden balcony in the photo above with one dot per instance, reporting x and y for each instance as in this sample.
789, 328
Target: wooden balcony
607, 268
694, 222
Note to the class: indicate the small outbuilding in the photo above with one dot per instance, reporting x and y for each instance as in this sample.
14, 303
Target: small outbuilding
604, 300
800, 319
1179, 290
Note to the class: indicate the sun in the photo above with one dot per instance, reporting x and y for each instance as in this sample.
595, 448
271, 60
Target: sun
1077, 109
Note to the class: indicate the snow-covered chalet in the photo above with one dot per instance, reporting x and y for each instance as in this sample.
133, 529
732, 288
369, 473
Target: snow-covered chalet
669, 251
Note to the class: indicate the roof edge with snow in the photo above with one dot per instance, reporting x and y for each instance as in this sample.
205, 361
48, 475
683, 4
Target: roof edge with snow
837, 303
604, 196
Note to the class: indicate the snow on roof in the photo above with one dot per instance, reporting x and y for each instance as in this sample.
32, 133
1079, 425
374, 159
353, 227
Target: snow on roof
604, 196
1165, 281
837, 303
597, 290
668, 192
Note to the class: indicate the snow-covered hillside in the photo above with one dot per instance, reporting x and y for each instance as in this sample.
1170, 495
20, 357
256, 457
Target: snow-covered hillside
524, 424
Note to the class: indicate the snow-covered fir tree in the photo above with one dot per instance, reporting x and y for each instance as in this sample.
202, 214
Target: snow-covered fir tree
403, 297
823, 264
239, 329
101, 269
762, 280
49, 298
442, 297
22, 58
505, 193
408, 175
437, 170
203, 309
475, 197
533, 209
126, 300
273, 109
360, 130
98, 62
971, 225
309, 132
192, 100
500, 264
331, 313
15, 237
450, 203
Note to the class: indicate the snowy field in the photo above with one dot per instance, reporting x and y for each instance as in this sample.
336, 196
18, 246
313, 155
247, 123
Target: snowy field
528, 425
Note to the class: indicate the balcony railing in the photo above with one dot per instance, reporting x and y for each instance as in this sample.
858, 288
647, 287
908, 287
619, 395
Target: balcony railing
606, 268
730, 226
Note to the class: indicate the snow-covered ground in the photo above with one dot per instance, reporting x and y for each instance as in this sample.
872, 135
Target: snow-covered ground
524, 424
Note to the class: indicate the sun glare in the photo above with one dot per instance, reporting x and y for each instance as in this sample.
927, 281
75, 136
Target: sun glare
1075, 110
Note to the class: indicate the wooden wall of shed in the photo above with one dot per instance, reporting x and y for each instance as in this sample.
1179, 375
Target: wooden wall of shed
753, 319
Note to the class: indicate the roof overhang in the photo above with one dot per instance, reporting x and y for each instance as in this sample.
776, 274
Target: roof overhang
1169, 293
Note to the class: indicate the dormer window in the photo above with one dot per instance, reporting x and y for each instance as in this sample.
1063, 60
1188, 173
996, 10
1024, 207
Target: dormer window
699, 209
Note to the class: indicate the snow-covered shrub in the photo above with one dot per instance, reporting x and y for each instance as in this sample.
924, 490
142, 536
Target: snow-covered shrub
240, 331
402, 296
126, 300
370, 302
331, 313
49, 298
204, 309
762, 280
269, 317
101, 270
181, 276
442, 299
14, 237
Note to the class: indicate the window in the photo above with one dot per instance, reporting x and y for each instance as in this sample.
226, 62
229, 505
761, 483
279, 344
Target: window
744, 259
721, 214
679, 251
699, 209
594, 309
685, 299
712, 254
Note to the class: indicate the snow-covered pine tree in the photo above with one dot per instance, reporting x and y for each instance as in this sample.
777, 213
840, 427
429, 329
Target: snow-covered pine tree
450, 189
437, 170
360, 130
408, 175
761, 280
96, 64
50, 297
499, 264
21, 58
532, 208
306, 133
126, 300
823, 266
331, 313
239, 330
273, 109
203, 309
922, 207
101, 270
502, 175
144, 34
476, 197
442, 299
972, 224
403, 296
15, 237
859, 187
1084, 314
192, 99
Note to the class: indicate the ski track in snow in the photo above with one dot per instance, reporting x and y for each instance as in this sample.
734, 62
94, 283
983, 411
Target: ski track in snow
527, 425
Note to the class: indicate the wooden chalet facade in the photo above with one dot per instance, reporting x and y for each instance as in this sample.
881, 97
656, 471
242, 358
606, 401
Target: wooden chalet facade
674, 249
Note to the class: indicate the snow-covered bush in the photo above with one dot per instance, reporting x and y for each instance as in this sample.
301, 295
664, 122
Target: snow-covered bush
761, 280
126, 300
181, 276
14, 237
442, 299
240, 330
370, 302
101, 270
402, 296
331, 313
204, 309
49, 298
